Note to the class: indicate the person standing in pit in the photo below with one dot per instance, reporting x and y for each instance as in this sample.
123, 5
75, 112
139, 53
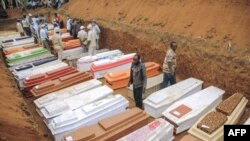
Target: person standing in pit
97, 30
44, 37
139, 80
91, 41
19, 27
26, 26
57, 43
68, 25
83, 36
169, 66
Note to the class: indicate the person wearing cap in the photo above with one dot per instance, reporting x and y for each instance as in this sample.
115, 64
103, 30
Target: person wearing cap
138, 78
83, 36
19, 27
91, 40
169, 66
97, 30
57, 43
44, 37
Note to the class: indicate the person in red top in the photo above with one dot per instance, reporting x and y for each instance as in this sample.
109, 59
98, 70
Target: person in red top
59, 20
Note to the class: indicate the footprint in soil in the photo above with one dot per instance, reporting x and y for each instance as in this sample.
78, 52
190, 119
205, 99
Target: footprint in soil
24, 108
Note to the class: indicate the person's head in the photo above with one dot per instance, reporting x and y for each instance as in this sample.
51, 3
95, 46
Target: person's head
30, 15
89, 27
24, 16
93, 22
82, 28
173, 45
136, 59
55, 14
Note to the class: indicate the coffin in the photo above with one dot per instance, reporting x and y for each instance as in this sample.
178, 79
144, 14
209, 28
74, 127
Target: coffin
51, 32
71, 52
117, 79
65, 37
34, 80
159, 101
247, 122
8, 51
189, 137
70, 44
84, 63
60, 83
217, 133
158, 130
18, 43
153, 85
102, 67
74, 102
120, 78
73, 59
185, 112
66, 93
19, 38
111, 128
30, 60
88, 115
32, 53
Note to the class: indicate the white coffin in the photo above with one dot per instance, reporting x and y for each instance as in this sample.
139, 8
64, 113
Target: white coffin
87, 115
71, 52
247, 122
159, 101
158, 130
66, 93
105, 62
153, 85
200, 103
74, 102
84, 63
64, 35
18, 43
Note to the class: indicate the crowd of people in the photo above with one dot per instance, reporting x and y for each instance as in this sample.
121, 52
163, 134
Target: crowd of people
37, 27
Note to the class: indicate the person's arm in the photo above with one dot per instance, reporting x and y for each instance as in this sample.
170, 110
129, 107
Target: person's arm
131, 77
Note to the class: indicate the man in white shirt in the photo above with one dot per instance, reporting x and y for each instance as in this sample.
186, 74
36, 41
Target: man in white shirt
26, 25
92, 40
97, 30
83, 36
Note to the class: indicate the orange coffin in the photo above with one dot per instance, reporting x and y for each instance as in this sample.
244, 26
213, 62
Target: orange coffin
34, 80
117, 79
20, 49
112, 128
51, 32
153, 69
71, 44
60, 83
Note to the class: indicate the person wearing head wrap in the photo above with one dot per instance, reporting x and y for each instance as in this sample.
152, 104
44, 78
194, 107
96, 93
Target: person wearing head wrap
82, 36
57, 43
91, 41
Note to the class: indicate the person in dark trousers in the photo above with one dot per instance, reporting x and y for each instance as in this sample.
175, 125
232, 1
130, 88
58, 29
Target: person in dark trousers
169, 66
139, 79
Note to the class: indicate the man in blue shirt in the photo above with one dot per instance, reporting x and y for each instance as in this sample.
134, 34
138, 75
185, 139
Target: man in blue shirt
44, 37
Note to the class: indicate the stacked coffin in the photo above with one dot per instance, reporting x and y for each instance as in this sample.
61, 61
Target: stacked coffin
66, 93
8, 51
70, 44
18, 43
120, 78
34, 80
33, 64
84, 63
159, 101
210, 126
21, 75
185, 112
158, 130
73, 58
65, 37
86, 115
153, 85
102, 67
62, 82
111, 128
